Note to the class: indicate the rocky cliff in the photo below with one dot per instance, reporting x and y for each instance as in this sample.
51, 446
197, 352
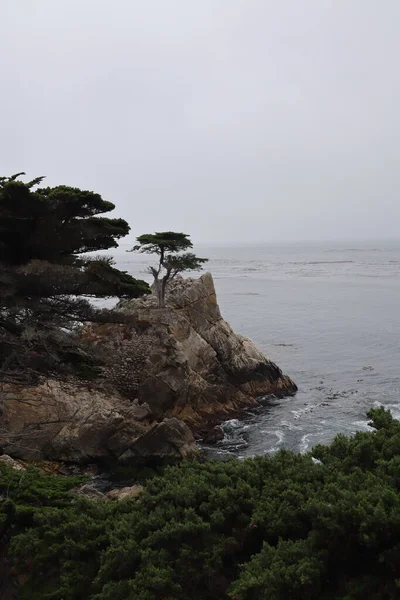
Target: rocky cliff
174, 370
71, 421
185, 360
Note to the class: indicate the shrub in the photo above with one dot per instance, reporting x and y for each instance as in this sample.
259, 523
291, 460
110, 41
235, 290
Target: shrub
277, 528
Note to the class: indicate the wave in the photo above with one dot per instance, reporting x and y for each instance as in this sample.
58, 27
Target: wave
305, 441
297, 414
362, 425
364, 250
251, 269
231, 426
280, 438
322, 262
354, 250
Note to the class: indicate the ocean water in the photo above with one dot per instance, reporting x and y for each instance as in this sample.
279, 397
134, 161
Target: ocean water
329, 315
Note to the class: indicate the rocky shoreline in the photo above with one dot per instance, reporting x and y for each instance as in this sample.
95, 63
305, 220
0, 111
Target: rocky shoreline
168, 378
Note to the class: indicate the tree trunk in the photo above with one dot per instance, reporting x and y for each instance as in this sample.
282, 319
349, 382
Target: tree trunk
160, 292
163, 289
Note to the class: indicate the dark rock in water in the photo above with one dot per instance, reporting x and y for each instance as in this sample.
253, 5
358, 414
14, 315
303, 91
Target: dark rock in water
214, 435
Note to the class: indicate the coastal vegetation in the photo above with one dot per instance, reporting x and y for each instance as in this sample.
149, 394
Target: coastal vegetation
47, 278
319, 526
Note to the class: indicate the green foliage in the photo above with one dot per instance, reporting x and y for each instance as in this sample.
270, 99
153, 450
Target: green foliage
123, 473
162, 242
52, 223
44, 277
183, 262
278, 528
169, 246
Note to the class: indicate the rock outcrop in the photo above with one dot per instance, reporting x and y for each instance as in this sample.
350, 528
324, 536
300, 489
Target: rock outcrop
11, 463
175, 370
132, 492
185, 360
92, 493
73, 422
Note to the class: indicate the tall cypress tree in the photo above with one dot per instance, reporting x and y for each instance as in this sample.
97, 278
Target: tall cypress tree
45, 276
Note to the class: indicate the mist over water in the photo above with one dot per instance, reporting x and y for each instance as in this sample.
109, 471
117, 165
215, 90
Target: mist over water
328, 314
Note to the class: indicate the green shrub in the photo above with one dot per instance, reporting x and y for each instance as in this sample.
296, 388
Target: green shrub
278, 528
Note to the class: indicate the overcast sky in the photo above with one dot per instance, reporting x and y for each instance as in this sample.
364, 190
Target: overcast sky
232, 120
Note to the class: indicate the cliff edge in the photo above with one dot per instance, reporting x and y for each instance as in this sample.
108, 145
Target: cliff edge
169, 373
185, 360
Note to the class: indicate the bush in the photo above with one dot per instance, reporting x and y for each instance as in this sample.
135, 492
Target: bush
279, 528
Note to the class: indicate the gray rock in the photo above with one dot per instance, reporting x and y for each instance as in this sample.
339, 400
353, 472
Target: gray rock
10, 462
141, 412
131, 492
214, 435
70, 422
90, 492
167, 441
196, 367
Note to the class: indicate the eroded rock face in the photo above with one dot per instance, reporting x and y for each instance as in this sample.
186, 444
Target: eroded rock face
69, 421
185, 360
175, 367
170, 439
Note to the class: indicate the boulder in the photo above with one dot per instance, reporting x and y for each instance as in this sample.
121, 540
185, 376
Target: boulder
90, 492
164, 442
213, 435
11, 462
126, 492
141, 412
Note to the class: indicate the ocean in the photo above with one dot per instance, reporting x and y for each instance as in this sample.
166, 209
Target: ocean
329, 315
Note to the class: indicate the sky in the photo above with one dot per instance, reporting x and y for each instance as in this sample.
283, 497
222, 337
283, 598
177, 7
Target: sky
231, 120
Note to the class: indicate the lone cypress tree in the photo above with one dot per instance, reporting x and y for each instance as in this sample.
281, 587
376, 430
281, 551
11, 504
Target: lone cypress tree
169, 246
45, 276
